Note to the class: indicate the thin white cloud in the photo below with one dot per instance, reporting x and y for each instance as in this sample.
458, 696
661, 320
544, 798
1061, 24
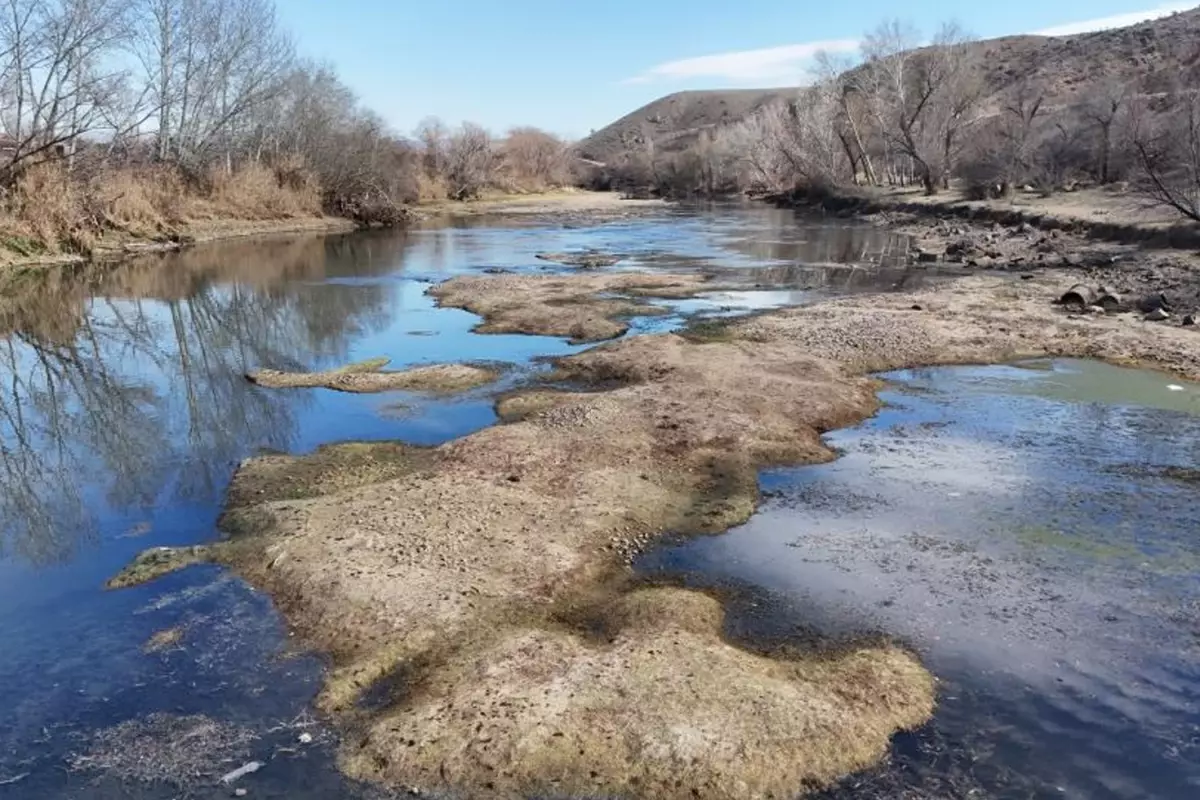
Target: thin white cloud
788, 64
770, 64
1116, 20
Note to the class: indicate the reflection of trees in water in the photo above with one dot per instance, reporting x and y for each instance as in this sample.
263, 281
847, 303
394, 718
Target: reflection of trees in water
798, 240
124, 389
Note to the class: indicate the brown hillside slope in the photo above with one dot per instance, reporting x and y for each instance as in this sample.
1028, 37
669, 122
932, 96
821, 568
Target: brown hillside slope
673, 122
1157, 54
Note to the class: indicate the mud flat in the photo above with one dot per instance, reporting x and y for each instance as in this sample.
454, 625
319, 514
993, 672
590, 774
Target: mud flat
487, 635
570, 306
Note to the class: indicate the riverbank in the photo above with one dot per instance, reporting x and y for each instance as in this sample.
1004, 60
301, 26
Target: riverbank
1110, 215
485, 629
18, 254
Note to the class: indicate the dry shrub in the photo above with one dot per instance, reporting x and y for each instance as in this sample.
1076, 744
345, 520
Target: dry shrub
142, 201
256, 192
48, 208
431, 189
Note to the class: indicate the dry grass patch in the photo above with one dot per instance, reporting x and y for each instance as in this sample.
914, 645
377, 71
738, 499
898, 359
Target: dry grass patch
569, 306
369, 376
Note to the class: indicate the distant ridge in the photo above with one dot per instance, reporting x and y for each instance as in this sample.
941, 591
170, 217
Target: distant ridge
1158, 54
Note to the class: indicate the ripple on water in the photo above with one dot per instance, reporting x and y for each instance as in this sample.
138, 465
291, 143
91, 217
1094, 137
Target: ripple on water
1030, 530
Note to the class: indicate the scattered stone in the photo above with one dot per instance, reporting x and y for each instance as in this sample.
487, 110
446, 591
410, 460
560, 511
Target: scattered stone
1027, 276
305, 738
1189, 320
916, 307
1154, 302
1073, 260
960, 247
1096, 310
1158, 315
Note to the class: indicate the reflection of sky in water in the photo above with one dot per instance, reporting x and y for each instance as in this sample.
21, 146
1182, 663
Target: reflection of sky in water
126, 412
1015, 525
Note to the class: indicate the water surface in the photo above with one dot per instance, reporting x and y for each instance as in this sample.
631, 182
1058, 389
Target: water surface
124, 411
1031, 530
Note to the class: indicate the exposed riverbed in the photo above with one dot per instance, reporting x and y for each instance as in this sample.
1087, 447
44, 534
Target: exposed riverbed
1031, 529
179, 416
126, 412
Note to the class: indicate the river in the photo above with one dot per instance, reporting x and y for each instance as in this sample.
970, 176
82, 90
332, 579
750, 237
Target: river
124, 411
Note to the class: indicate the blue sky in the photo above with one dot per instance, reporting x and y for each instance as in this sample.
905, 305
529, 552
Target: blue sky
570, 67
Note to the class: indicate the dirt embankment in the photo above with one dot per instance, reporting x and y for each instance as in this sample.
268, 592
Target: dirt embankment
486, 632
1107, 216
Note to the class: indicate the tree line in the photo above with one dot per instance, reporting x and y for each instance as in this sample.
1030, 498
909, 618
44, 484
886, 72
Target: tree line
211, 98
926, 112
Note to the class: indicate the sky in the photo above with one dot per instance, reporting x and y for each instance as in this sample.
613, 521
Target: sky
571, 67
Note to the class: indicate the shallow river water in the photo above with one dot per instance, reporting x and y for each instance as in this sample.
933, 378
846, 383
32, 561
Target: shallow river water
1020, 526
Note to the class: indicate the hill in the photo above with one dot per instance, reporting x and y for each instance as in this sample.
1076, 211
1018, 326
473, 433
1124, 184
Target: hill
673, 122
1156, 54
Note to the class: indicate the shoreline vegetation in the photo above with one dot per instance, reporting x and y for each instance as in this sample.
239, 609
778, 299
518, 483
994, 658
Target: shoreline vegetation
486, 631
133, 125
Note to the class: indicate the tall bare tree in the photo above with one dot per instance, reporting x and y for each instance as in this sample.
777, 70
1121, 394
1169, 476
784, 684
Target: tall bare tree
1166, 141
470, 159
60, 79
1105, 107
921, 98
210, 63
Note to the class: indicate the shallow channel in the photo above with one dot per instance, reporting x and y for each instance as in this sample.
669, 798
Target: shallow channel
1031, 530
124, 412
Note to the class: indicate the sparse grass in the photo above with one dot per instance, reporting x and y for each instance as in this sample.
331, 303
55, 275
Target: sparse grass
329, 469
368, 376
49, 212
159, 561
163, 640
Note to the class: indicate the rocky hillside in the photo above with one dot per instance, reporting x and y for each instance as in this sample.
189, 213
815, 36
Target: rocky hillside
1157, 54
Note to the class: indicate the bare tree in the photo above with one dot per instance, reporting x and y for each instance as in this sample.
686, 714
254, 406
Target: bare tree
921, 99
535, 159
470, 159
433, 135
849, 122
60, 79
210, 63
1166, 141
1019, 113
1105, 107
